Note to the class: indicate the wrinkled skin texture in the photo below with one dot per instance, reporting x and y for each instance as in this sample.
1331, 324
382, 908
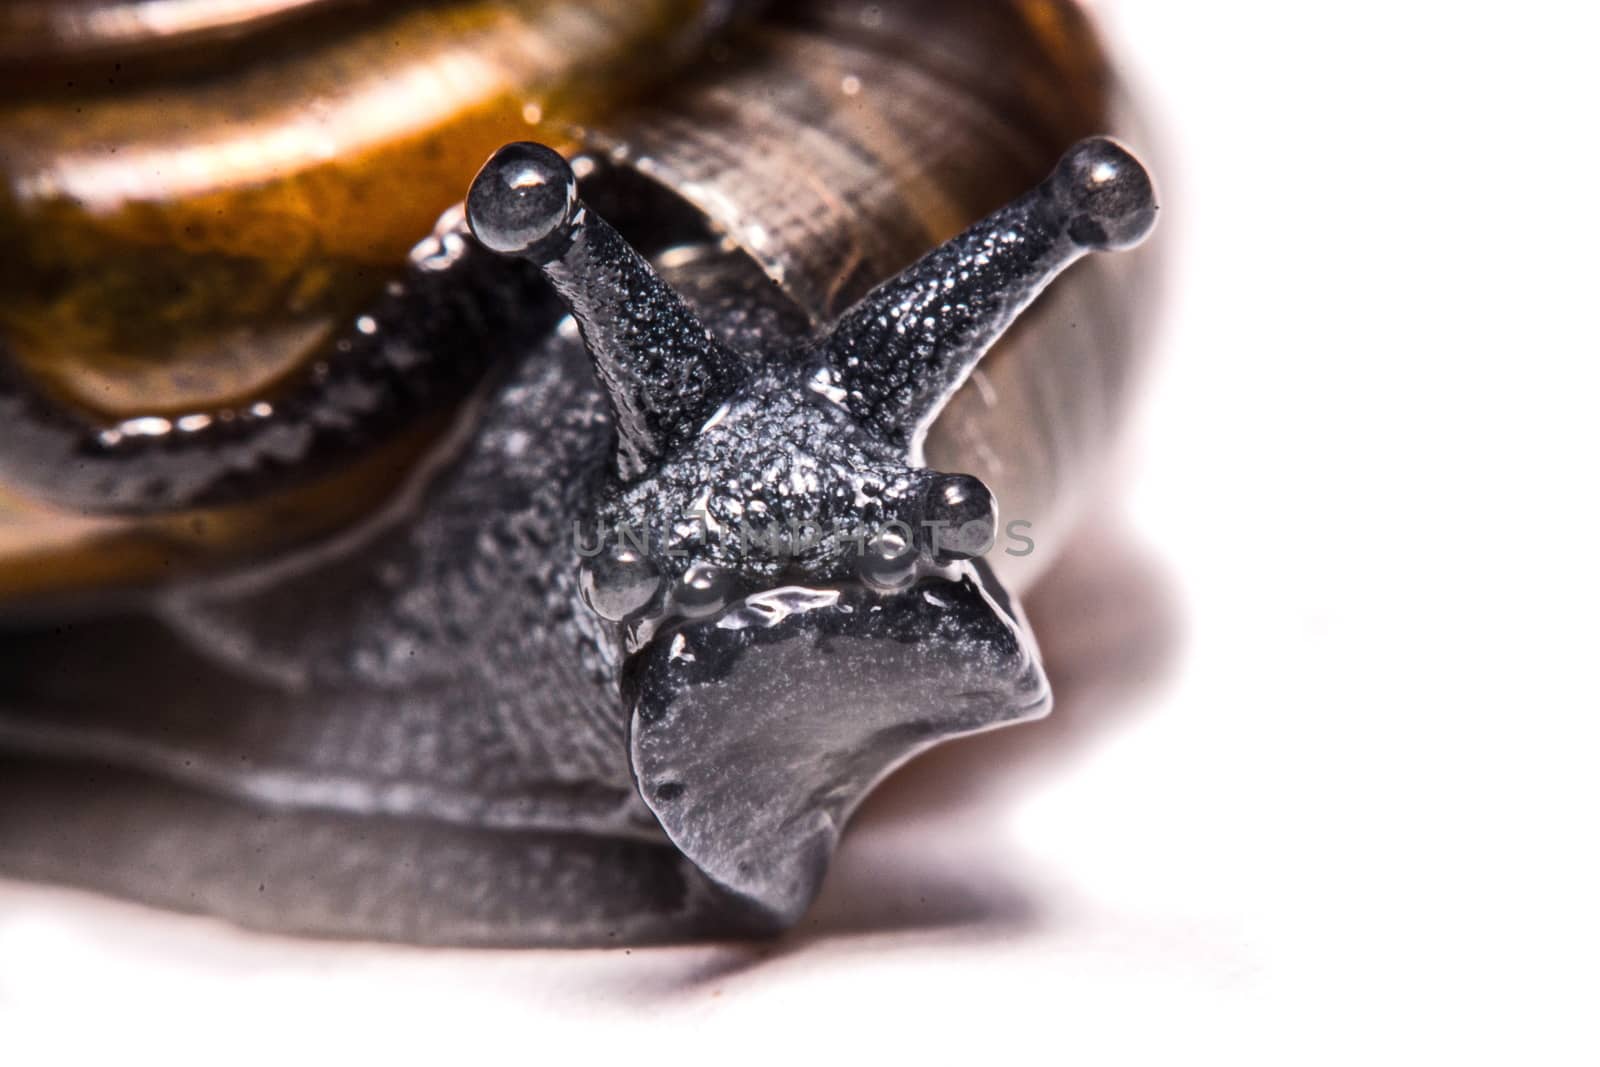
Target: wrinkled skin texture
752, 754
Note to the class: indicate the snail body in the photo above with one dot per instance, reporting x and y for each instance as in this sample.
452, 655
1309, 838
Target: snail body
551, 691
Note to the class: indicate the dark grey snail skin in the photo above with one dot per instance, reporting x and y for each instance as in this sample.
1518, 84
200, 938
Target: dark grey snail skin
459, 727
778, 683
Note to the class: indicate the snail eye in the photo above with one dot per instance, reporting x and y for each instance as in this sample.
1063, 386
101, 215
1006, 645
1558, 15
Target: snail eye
889, 560
962, 517
1105, 194
703, 590
620, 583
522, 201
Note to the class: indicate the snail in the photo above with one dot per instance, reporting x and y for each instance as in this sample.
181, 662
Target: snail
692, 500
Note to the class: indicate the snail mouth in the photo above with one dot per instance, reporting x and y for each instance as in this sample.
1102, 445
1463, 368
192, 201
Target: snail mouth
754, 734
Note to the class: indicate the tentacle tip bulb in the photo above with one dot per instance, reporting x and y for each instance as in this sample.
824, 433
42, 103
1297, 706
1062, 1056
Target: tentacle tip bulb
523, 202
1106, 194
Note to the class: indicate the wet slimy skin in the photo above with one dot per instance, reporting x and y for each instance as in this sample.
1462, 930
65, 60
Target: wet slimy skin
775, 679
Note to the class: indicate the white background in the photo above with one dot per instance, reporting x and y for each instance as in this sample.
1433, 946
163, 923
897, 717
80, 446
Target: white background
1321, 787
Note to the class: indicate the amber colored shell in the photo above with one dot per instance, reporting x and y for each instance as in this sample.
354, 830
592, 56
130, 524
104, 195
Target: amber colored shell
184, 239
190, 209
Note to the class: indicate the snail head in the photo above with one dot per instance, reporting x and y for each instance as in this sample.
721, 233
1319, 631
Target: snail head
804, 604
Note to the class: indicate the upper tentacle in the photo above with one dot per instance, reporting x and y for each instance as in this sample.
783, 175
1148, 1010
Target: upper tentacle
898, 355
661, 367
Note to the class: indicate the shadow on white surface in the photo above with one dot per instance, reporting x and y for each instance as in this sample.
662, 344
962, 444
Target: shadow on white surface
925, 863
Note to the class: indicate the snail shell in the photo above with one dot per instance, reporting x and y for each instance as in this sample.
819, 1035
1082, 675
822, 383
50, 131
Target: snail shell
198, 199
836, 144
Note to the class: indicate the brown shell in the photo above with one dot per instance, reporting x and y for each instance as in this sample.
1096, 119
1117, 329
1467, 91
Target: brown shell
185, 229
187, 241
